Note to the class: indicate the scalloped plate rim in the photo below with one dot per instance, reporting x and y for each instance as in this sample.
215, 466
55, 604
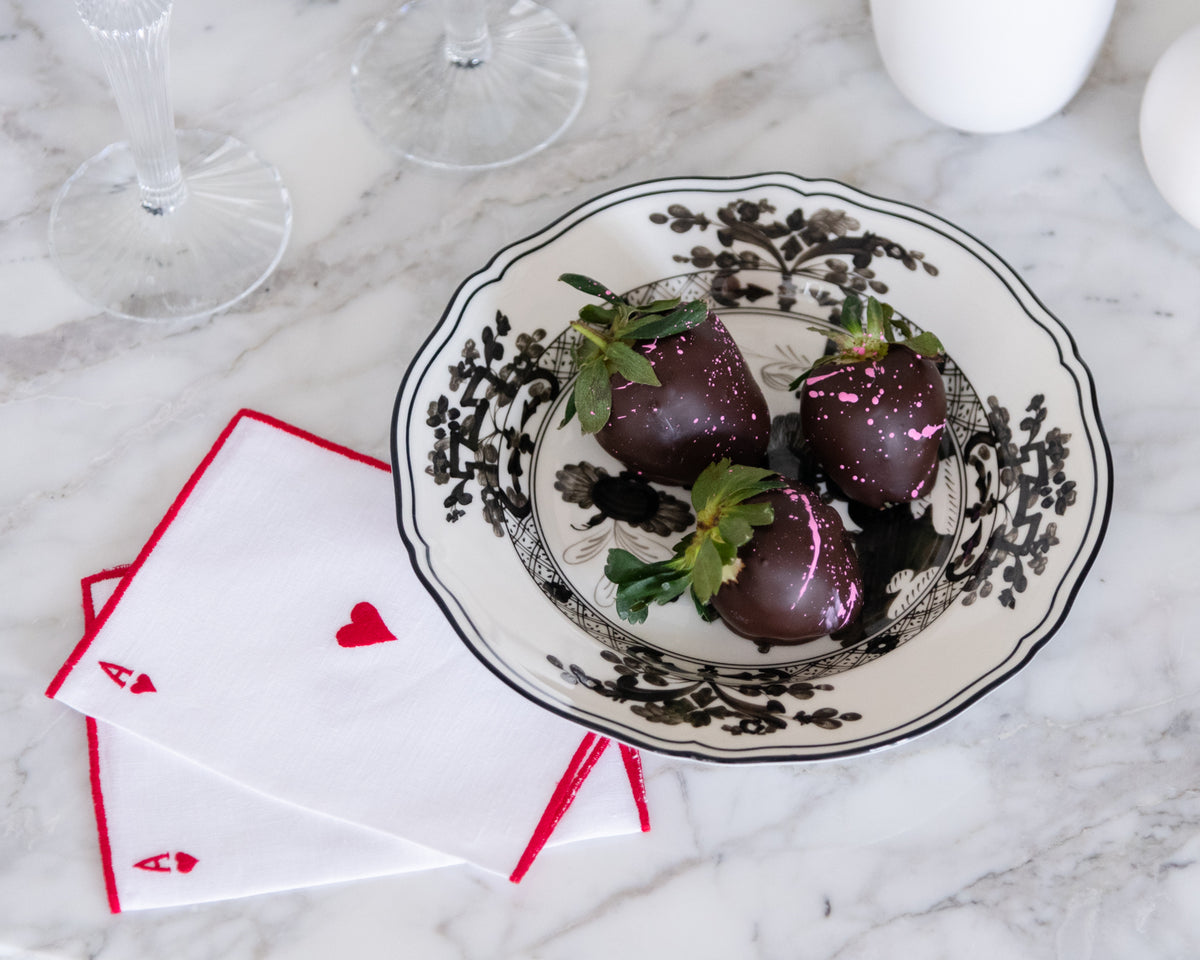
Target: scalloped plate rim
939, 714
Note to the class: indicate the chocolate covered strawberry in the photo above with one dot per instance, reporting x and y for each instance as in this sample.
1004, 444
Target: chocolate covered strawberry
767, 556
664, 387
873, 413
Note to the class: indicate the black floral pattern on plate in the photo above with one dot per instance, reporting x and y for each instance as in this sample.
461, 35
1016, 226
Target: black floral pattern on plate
1013, 481
656, 695
1027, 482
468, 448
825, 245
625, 498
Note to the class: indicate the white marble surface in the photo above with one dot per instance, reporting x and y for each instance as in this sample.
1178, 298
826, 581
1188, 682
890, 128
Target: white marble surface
1058, 818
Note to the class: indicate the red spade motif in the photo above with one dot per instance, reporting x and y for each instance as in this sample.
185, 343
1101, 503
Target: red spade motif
184, 862
143, 684
366, 627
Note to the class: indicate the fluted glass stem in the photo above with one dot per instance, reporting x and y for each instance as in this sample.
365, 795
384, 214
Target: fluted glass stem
468, 43
166, 224
132, 39
469, 83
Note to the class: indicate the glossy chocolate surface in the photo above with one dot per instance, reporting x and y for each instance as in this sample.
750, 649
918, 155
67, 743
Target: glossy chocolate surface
800, 578
707, 408
875, 426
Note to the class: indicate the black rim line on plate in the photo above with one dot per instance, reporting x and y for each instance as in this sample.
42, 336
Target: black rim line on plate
942, 716
943, 711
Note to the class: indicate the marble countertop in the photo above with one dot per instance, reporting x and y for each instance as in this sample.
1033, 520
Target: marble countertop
1057, 818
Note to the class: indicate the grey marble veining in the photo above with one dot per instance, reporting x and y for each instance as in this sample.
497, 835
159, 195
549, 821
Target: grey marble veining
1057, 818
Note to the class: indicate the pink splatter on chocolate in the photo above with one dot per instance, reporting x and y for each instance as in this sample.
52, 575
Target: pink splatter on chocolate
799, 577
708, 407
883, 450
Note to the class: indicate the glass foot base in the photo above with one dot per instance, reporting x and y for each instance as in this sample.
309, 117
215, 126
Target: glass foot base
205, 255
428, 108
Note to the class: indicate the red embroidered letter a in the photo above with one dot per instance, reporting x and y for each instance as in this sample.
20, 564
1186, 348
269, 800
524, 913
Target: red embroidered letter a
156, 864
116, 672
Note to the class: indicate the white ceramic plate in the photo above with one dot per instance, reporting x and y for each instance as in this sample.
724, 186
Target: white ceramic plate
509, 519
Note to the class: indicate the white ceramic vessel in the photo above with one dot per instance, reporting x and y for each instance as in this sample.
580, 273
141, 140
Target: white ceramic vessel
1170, 127
986, 66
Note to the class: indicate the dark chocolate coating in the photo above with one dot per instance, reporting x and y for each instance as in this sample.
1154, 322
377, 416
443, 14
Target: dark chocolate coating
708, 407
800, 578
875, 426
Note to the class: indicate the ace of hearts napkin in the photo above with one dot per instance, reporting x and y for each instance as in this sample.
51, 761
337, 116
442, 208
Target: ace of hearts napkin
274, 700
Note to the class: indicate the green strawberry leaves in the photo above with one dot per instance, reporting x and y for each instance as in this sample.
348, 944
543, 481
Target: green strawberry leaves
926, 344
680, 318
591, 287
707, 571
630, 364
870, 337
605, 346
591, 399
707, 557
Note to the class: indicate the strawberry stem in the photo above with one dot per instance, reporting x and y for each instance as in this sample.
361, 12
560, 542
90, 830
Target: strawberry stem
856, 341
591, 334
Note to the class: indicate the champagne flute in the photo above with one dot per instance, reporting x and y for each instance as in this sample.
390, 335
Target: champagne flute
469, 83
168, 225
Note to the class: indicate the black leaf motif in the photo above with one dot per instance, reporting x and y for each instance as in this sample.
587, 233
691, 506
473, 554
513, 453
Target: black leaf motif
481, 447
824, 245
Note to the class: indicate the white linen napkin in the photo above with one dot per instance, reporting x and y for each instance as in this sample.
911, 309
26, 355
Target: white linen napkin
276, 701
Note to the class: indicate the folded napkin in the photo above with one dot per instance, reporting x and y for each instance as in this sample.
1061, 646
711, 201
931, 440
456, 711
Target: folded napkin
274, 700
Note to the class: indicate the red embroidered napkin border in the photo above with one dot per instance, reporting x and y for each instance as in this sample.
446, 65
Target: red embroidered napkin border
173, 512
585, 758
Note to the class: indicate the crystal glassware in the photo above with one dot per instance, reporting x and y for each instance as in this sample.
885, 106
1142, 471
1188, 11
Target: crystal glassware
469, 83
167, 225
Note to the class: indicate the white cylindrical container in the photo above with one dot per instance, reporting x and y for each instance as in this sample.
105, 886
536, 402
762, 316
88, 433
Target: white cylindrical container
989, 66
1170, 125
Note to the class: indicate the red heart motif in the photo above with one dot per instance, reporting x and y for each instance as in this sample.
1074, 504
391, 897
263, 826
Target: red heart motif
184, 862
143, 684
366, 627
